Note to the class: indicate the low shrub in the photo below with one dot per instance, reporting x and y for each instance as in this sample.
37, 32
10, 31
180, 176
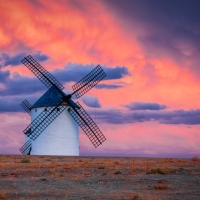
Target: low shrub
158, 171
135, 196
161, 186
101, 167
195, 158
117, 172
25, 160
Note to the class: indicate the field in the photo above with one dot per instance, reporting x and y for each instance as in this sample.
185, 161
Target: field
60, 177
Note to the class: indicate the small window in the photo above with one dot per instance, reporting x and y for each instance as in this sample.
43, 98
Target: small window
35, 109
58, 109
45, 109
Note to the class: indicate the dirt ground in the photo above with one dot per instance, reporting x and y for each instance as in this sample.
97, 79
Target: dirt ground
61, 177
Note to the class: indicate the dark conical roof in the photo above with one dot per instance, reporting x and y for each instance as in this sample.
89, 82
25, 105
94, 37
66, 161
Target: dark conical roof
48, 97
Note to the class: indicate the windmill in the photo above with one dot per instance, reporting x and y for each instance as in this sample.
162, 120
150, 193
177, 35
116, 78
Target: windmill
59, 105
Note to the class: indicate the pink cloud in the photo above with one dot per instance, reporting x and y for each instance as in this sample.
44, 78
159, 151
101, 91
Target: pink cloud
11, 131
147, 139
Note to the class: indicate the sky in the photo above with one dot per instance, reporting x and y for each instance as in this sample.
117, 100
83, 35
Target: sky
148, 105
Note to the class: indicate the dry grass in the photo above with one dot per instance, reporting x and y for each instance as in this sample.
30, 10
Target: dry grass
87, 174
99, 178
169, 160
32, 194
3, 195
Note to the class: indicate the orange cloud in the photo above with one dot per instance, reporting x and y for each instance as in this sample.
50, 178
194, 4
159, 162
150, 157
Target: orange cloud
66, 32
81, 34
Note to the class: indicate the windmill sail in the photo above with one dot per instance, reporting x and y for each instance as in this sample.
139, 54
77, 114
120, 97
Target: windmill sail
42, 74
44, 119
26, 106
41, 124
87, 125
88, 82
25, 149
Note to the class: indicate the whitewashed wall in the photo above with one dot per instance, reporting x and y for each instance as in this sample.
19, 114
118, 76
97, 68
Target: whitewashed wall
59, 138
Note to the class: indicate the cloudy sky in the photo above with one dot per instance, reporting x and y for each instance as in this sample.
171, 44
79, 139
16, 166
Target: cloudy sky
148, 104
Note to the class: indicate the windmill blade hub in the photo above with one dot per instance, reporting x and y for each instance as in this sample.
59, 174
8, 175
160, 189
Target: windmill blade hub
67, 97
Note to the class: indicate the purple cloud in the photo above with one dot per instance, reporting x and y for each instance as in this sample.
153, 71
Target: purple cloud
145, 106
4, 76
20, 84
70, 71
91, 101
108, 86
12, 103
7, 105
116, 116
6, 59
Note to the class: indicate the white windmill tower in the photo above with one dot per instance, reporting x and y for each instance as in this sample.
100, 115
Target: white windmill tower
55, 117
61, 136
